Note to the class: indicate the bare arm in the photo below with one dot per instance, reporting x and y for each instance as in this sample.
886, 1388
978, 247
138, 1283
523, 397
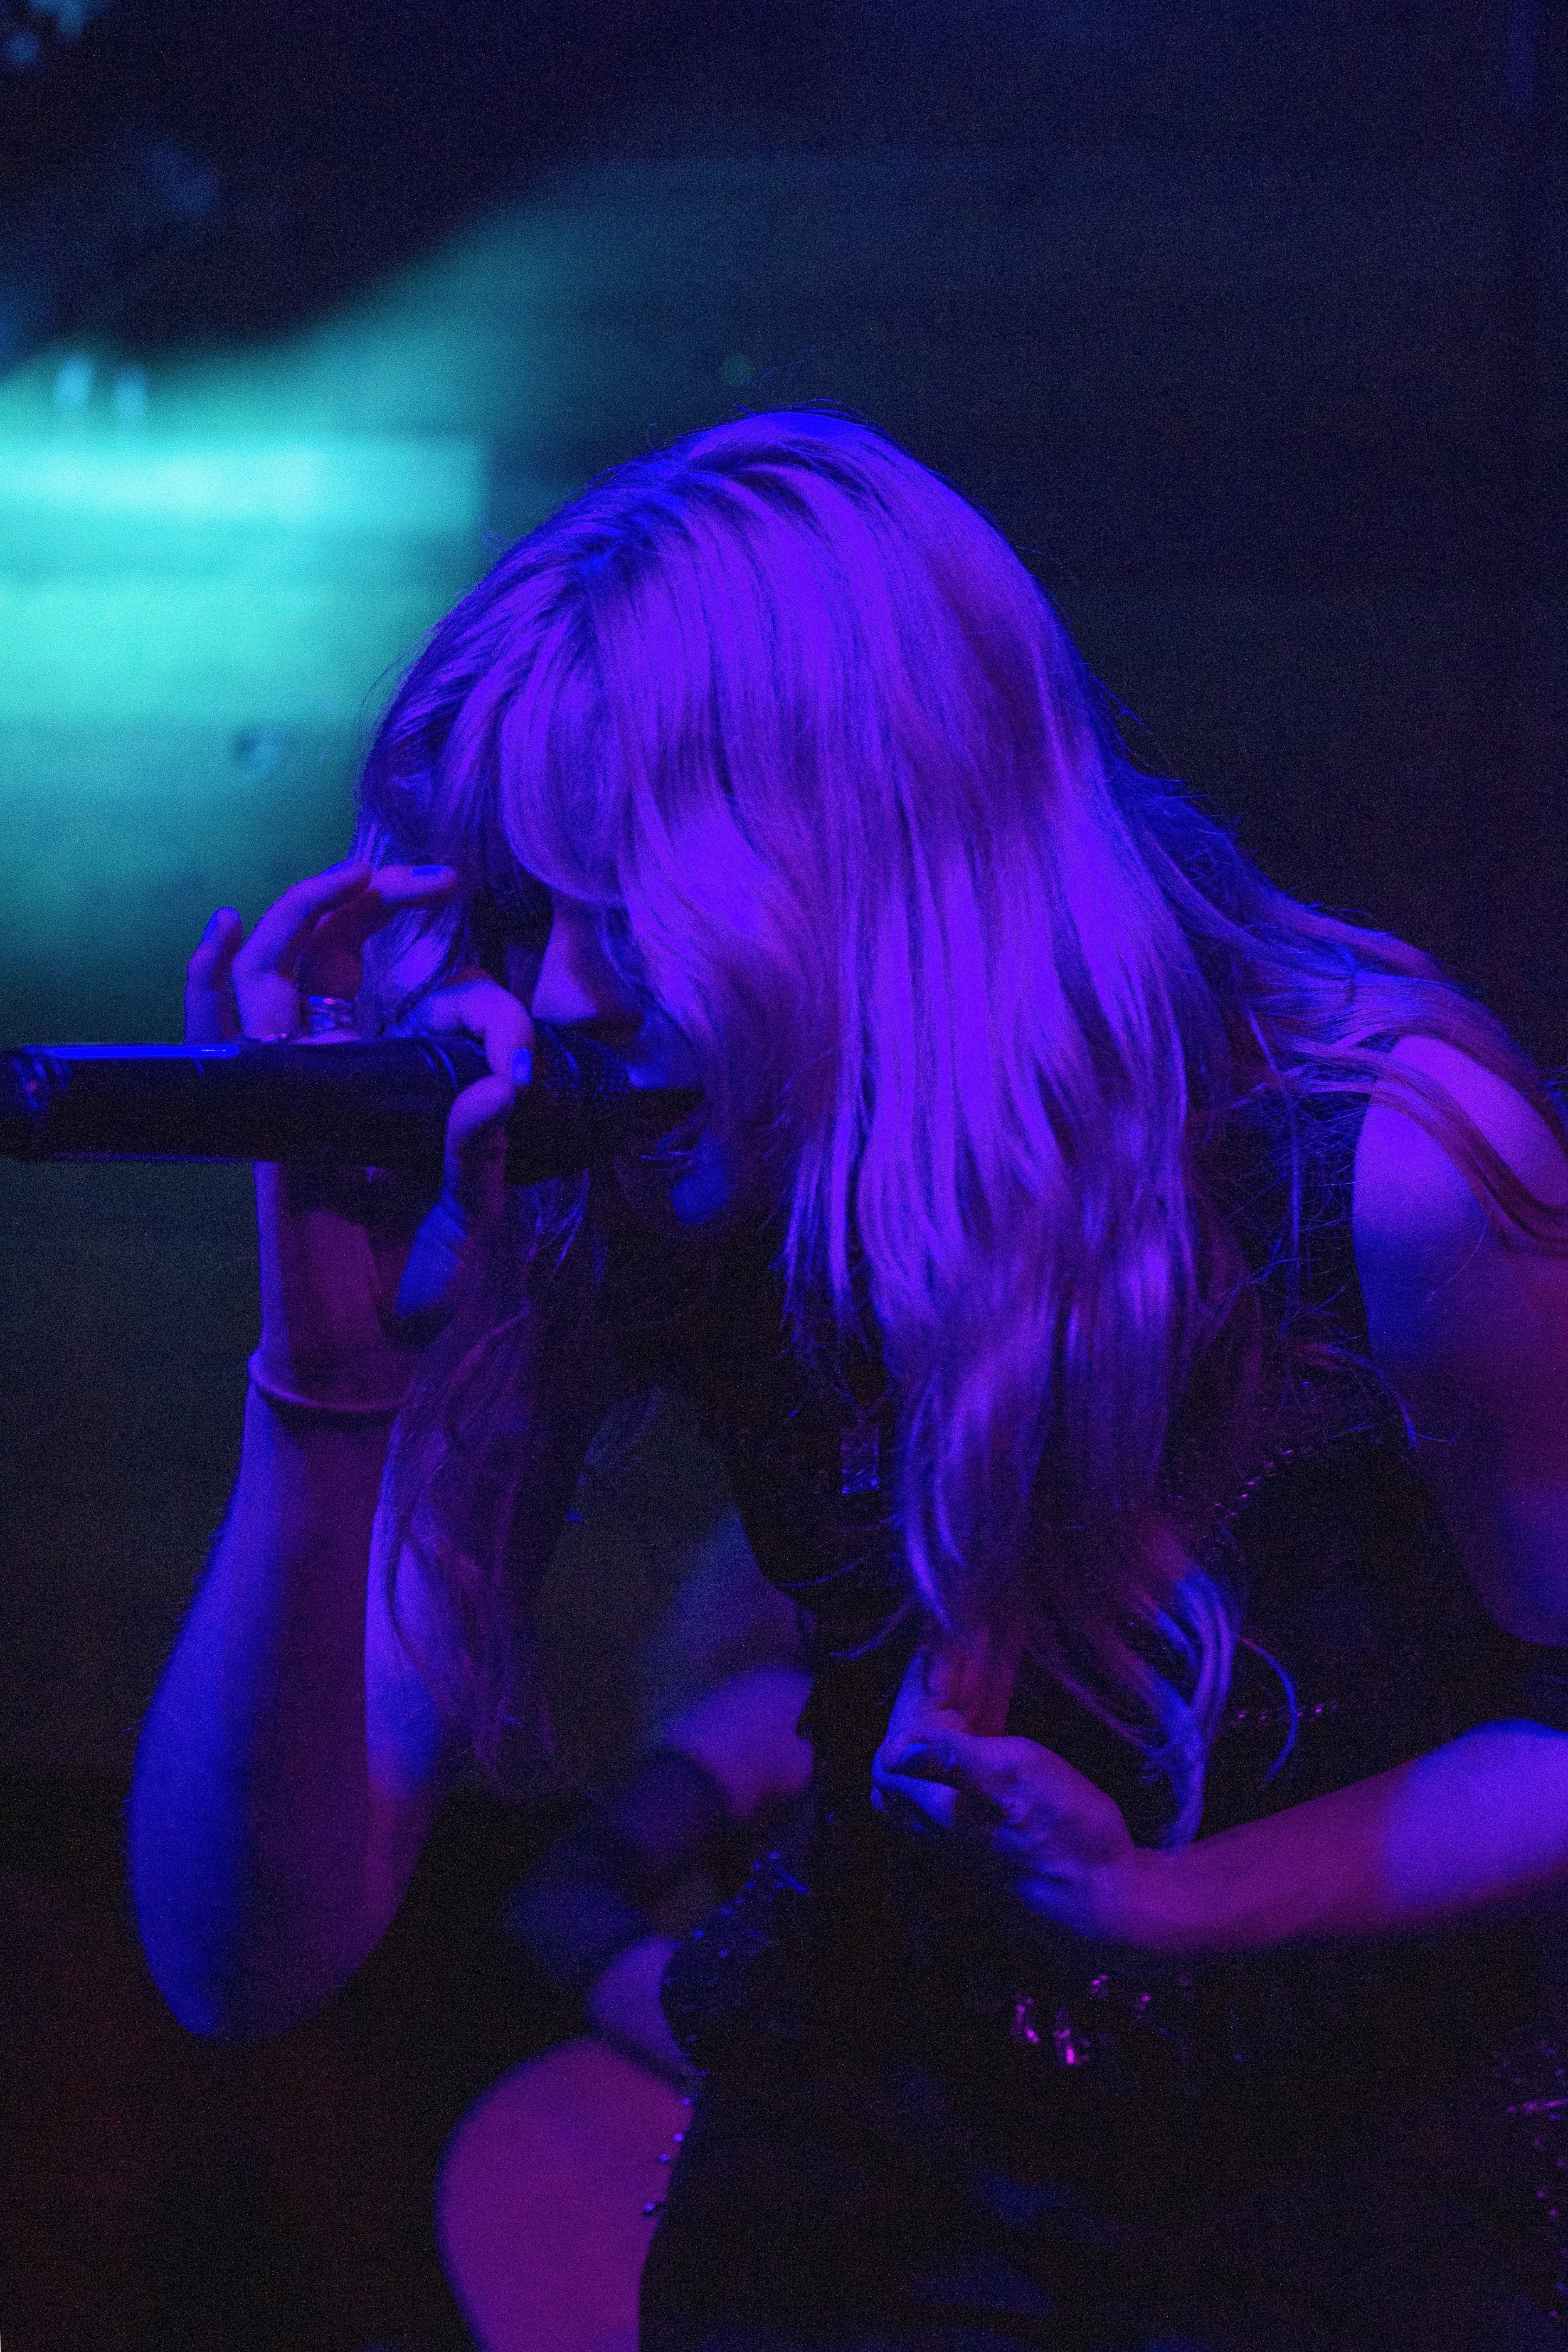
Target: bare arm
290, 1764
292, 1761
1471, 1324
1473, 1331
1479, 1822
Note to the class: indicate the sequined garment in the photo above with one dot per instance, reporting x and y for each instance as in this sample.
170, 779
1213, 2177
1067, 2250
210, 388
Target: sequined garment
1363, 1646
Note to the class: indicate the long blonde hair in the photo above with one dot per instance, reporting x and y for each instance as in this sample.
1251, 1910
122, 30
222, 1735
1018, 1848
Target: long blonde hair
972, 998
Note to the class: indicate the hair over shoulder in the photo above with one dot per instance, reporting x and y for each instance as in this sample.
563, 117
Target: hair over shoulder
972, 998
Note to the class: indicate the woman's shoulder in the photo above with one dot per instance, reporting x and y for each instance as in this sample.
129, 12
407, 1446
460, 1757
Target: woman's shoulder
1412, 1203
1468, 1322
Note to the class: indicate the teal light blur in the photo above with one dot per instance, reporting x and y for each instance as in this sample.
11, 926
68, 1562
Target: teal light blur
212, 570
195, 631
213, 565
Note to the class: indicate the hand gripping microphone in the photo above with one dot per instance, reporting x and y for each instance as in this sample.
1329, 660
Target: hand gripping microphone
381, 1103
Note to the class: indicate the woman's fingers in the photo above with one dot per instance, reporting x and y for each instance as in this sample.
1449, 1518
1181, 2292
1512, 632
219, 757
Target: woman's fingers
211, 1014
472, 1005
473, 1194
970, 1681
280, 937
1065, 1843
330, 962
952, 1686
474, 1171
993, 1772
266, 968
950, 1777
313, 937
953, 1703
921, 1710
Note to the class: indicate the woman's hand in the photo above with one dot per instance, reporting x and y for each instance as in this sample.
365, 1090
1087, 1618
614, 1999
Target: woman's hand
1061, 1841
357, 1265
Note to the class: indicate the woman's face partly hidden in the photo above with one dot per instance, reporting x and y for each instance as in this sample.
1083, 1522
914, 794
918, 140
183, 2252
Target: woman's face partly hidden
564, 976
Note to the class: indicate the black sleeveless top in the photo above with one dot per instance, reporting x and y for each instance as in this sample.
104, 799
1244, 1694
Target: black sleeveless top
1363, 1646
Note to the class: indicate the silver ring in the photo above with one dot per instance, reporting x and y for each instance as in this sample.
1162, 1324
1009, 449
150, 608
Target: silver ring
330, 1016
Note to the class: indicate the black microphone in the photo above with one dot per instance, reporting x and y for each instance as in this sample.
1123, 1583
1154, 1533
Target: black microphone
380, 1103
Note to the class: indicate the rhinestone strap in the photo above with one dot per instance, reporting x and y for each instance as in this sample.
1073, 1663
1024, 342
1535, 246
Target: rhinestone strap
1533, 2078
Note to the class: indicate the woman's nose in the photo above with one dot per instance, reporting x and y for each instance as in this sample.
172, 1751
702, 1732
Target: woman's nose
576, 982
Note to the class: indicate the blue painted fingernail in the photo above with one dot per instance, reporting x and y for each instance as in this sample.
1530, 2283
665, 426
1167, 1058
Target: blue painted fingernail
423, 873
218, 916
522, 1066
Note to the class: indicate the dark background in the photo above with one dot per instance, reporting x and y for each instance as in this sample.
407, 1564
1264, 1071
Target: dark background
1245, 322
